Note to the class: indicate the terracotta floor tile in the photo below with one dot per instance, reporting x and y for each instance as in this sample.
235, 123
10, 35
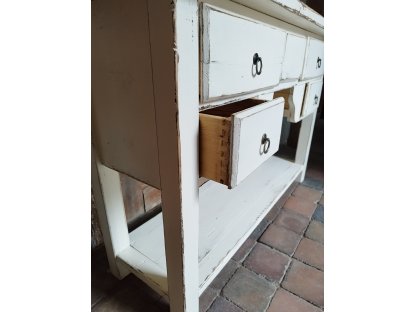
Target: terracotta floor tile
249, 291
310, 252
281, 238
207, 298
267, 262
292, 221
306, 282
244, 250
223, 305
284, 301
307, 193
315, 231
301, 206
224, 276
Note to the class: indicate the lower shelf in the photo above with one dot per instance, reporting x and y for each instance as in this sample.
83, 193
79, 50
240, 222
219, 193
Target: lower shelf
227, 218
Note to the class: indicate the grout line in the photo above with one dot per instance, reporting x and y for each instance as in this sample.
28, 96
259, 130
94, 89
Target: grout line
234, 304
284, 277
314, 304
292, 258
312, 266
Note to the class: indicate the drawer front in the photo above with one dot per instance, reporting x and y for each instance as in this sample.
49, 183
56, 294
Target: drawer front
238, 55
294, 57
312, 97
314, 64
255, 137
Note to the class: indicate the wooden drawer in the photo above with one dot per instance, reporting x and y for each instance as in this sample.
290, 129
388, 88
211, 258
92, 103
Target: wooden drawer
314, 62
235, 139
232, 47
294, 57
312, 97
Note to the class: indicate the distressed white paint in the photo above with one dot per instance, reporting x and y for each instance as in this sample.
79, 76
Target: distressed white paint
229, 44
227, 218
314, 51
304, 143
195, 251
312, 97
110, 208
174, 50
248, 128
144, 267
291, 11
123, 115
256, 94
294, 57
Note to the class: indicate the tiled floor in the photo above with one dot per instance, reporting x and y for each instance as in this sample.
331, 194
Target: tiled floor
279, 267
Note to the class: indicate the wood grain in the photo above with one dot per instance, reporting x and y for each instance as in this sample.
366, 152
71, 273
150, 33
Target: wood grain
214, 147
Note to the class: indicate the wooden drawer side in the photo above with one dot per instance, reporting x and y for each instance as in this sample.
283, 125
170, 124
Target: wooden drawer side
214, 147
294, 100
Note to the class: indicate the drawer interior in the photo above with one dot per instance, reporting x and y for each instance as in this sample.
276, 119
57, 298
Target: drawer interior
227, 110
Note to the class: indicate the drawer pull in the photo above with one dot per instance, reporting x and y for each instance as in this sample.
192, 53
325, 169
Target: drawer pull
318, 62
256, 61
265, 142
316, 100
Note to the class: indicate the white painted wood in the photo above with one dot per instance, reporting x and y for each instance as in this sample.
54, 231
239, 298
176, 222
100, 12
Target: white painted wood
314, 53
123, 116
140, 240
258, 15
228, 54
229, 216
265, 97
174, 49
283, 85
248, 128
145, 91
144, 267
292, 11
294, 57
312, 97
111, 215
226, 219
304, 143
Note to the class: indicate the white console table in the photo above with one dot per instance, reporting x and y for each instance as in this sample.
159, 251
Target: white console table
183, 89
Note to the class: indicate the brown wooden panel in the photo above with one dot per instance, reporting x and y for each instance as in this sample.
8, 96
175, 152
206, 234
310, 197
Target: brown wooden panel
214, 147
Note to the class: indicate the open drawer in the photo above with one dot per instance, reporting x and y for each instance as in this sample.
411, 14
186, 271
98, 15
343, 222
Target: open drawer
235, 139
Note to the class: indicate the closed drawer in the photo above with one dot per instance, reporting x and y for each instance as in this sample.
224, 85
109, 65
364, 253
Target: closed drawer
235, 139
312, 97
238, 55
294, 57
314, 63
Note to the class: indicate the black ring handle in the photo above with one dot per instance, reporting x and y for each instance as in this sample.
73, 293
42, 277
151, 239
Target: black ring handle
256, 61
318, 62
265, 141
316, 100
